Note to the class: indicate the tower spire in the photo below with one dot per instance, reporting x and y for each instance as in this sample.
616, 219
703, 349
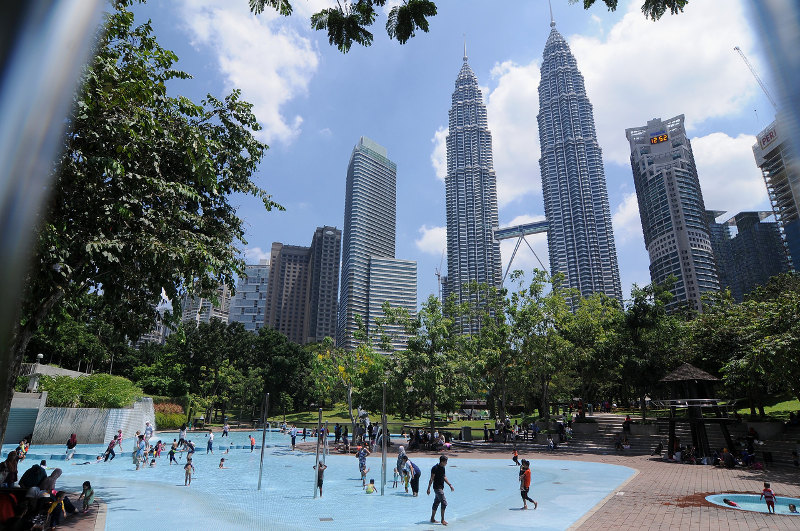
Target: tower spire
465, 48
552, 20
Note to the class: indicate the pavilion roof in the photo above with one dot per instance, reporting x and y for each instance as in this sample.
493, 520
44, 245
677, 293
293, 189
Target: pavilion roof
688, 372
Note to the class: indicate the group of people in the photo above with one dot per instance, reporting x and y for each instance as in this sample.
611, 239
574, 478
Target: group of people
44, 506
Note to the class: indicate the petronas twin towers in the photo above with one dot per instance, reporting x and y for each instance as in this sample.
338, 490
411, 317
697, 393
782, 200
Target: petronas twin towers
580, 237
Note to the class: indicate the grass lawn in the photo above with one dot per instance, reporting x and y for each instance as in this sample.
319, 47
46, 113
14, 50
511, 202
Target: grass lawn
780, 410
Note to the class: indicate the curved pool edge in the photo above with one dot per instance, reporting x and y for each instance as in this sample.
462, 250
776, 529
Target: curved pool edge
754, 502
588, 514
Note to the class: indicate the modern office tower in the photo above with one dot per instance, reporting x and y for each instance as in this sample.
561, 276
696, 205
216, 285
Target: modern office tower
286, 308
324, 288
473, 254
752, 256
369, 234
202, 310
674, 223
580, 237
249, 302
393, 281
782, 176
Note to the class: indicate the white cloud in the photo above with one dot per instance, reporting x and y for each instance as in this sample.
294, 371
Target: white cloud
679, 65
432, 240
524, 259
262, 55
728, 174
254, 255
626, 220
512, 108
439, 154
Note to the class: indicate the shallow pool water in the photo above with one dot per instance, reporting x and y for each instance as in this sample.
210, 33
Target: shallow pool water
486, 490
754, 502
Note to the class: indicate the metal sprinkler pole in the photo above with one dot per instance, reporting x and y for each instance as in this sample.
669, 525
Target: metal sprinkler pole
383, 441
316, 459
325, 450
263, 437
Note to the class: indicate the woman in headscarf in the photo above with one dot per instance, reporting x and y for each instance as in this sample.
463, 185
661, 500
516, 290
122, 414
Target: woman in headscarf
48, 484
8, 470
71, 444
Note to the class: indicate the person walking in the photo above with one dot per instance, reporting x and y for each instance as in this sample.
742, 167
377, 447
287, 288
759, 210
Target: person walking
293, 434
438, 479
71, 444
225, 430
525, 484
189, 468
210, 444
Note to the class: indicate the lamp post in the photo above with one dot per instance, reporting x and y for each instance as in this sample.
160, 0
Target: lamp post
263, 437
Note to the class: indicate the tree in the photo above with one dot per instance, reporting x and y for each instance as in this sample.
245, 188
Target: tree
536, 317
592, 332
348, 22
433, 366
140, 201
649, 339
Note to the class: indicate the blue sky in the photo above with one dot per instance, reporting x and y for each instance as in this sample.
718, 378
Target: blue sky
315, 103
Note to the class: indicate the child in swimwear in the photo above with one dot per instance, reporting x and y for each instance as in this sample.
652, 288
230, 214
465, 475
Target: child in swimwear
189, 468
769, 496
371, 487
515, 457
726, 501
394, 479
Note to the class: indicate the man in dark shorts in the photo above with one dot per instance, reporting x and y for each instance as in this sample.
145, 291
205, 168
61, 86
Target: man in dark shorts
320, 475
438, 479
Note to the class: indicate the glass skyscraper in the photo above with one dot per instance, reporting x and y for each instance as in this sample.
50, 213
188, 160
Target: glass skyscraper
674, 220
247, 306
473, 254
580, 238
369, 234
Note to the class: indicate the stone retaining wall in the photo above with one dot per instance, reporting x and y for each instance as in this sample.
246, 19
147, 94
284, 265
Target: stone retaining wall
93, 426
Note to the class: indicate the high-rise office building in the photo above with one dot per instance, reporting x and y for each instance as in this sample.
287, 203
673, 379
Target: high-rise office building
394, 281
752, 256
202, 310
580, 237
326, 247
286, 308
676, 231
249, 302
781, 171
473, 254
302, 287
369, 234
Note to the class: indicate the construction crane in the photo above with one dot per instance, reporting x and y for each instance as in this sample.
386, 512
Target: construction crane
439, 276
758, 79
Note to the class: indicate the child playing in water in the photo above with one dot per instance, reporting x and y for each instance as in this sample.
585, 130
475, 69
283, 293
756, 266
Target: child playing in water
189, 468
769, 496
320, 473
792, 508
371, 487
222, 463
252, 443
515, 457
394, 479
87, 495
726, 501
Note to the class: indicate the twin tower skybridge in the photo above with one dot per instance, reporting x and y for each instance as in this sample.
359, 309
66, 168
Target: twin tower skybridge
519, 232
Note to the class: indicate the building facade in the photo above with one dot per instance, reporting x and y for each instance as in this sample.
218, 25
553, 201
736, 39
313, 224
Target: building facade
751, 256
249, 302
369, 234
782, 177
326, 247
674, 223
473, 254
394, 281
580, 238
202, 310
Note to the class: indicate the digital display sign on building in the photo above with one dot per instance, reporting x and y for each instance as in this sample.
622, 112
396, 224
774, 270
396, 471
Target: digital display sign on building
657, 138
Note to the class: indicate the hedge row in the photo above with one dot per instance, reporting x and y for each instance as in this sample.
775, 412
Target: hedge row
169, 421
96, 390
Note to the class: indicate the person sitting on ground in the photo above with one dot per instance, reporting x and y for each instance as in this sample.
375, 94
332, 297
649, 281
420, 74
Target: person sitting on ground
370, 487
56, 511
88, 495
658, 449
550, 444
48, 484
222, 463
152, 463
792, 508
726, 501
728, 461
33, 476
625, 444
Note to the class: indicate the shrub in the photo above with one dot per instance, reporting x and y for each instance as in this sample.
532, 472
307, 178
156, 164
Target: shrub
169, 421
168, 408
97, 390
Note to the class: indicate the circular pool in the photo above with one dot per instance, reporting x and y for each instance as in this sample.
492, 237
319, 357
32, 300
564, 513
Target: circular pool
754, 502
